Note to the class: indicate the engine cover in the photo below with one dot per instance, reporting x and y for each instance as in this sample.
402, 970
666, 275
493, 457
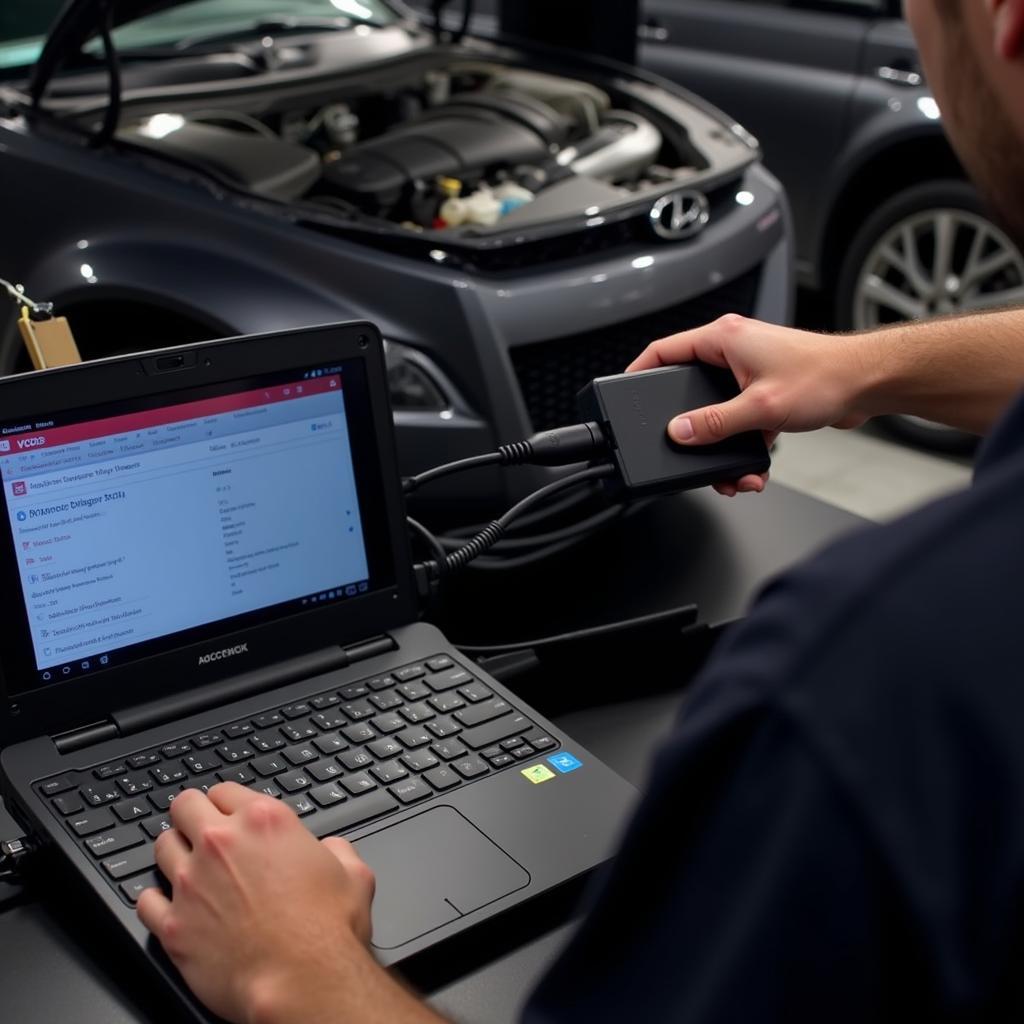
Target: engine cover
469, 135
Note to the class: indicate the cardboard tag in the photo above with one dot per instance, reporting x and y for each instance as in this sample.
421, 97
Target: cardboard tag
49, 342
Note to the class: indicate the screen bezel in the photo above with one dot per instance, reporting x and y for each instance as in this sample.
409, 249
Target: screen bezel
60, 706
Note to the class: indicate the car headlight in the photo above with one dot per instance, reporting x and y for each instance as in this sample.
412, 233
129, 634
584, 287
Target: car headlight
410, 382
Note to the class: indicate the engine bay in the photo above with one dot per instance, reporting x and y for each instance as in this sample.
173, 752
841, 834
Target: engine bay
471, 147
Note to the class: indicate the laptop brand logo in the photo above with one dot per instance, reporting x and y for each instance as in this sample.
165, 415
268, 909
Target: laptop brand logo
31, 442
228, 652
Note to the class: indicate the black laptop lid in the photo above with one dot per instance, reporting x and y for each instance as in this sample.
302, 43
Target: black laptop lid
172, 518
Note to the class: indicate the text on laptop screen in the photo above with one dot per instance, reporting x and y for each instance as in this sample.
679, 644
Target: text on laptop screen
131, 530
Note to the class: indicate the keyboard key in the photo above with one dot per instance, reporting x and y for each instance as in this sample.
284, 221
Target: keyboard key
485, 711
443, 726
386, 701
70, 803
165, 774
389, 722
442, 778
267, 788
154, 826
352, 813
329, 744
357, 710
359, 783
243, 776
500, 760
440, 663
131, 863
409, 672
107, 843
523, 752
301, 753
91, 821
266, 721
356, 690
360, 733
379, 683
129, 810
414, 691
470, 767
326, 700
448, 749
414, 737
233, 732
325, 771
292, 782
108, 771
239, 750
296, 710
132, 784
200, 764
383, 749
475, 691
328, 720
265, 742
134, 888
96, 796
143, 760
511, 744
332, 793
420, 761
409, 791
542, 742
499, 729
490, 752
207, 739
176, 749
417, 712
204, 783
449, 680
301, 804
355, 759
162, 798
447, 701
299, 731
61, 784
274, 764
390, 772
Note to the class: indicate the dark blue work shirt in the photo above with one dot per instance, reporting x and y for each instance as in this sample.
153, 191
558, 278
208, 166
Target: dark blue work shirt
835, 831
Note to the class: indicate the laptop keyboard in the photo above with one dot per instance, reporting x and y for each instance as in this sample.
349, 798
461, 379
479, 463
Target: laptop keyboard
338, 759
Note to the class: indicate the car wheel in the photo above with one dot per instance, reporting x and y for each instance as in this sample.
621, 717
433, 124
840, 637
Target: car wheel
928, 251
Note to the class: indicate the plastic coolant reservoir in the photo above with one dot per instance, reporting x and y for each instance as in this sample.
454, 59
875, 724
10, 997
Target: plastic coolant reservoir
482, 208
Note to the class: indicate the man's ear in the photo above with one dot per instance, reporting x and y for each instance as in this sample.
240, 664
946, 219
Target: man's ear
1007, 28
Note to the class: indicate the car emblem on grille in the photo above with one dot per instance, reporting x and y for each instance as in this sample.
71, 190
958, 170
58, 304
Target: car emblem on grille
680, 214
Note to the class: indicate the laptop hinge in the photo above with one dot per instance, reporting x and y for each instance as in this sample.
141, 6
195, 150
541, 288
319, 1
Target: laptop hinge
69, 742
169, 709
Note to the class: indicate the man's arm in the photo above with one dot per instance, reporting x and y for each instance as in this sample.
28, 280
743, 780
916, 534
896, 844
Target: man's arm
266, 924
962, 371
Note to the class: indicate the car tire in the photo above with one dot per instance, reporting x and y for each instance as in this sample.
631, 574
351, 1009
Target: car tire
945, 228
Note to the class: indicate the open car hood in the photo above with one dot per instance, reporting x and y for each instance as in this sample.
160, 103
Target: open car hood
77, 23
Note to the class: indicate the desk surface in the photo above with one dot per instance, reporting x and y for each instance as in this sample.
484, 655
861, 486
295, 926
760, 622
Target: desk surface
697, 548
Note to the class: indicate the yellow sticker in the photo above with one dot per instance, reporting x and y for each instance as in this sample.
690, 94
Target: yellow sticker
538, 773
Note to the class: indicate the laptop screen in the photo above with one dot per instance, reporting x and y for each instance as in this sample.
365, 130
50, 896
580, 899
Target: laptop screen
146, 525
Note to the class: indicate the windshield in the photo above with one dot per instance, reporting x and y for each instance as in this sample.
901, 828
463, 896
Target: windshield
25, 23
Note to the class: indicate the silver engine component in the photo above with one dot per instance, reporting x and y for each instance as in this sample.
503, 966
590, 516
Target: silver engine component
623, 147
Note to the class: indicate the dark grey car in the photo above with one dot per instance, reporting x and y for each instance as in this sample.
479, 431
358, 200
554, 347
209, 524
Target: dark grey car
267, 170
885, 221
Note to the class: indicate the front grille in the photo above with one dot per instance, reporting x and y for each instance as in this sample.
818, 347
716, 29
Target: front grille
550, 373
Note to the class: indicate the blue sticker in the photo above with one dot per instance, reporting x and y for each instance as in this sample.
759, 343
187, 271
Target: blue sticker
565, 762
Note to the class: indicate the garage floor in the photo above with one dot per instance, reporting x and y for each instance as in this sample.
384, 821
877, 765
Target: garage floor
866, 472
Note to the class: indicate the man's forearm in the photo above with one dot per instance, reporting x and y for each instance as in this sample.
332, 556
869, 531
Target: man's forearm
962, 371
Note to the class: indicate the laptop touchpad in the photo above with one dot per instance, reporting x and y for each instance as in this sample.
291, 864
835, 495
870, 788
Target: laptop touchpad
433, 869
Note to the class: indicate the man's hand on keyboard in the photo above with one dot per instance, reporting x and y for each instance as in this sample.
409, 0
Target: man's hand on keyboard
265, 922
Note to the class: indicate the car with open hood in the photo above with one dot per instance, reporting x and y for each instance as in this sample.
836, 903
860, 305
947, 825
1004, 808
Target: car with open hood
516, 221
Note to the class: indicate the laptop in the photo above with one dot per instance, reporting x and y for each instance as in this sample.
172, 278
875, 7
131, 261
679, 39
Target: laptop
207, 576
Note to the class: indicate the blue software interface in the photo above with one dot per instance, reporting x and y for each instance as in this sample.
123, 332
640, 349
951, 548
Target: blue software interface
131, 528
